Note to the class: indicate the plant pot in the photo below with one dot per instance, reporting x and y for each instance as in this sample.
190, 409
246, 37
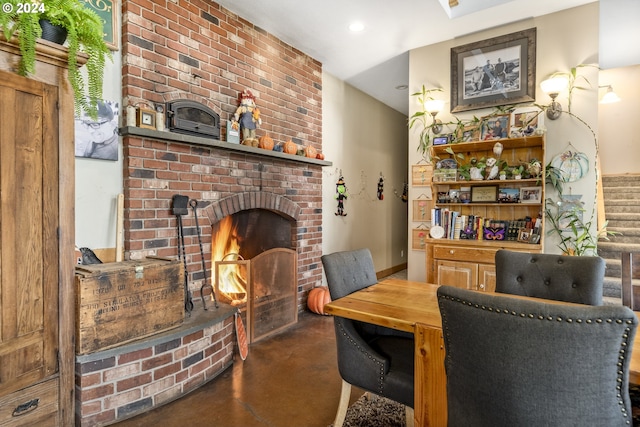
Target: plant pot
53, 33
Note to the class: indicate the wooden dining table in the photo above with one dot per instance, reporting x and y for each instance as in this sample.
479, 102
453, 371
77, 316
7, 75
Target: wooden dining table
413, 307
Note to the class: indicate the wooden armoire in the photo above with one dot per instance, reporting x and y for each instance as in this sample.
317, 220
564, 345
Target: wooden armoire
37, 306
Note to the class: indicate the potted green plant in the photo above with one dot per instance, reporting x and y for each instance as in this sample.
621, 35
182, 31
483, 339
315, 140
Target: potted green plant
84, 36
424, 118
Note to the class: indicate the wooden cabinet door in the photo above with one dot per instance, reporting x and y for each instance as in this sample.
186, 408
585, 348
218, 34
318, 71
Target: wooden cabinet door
487, 277
28, 231
459, 274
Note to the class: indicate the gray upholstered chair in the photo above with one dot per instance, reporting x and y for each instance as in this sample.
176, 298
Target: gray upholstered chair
576, 279
516, 362
374, 358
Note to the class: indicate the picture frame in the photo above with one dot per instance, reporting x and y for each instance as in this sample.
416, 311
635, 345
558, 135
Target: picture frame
98, 138
524, 235
484, 194
495, 127
526, 121
421, 174
469, 133
509, 195
421, 210
418, 238
493, 72
531, 195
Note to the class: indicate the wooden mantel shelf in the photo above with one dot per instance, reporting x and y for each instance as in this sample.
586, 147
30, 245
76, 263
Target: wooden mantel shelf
209, 142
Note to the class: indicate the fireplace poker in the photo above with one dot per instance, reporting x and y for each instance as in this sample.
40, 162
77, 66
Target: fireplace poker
194, 205
179, 209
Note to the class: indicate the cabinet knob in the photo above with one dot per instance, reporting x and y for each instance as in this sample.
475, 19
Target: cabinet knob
481, 286
451, 251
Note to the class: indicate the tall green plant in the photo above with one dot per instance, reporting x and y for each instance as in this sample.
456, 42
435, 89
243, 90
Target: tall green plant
423, 118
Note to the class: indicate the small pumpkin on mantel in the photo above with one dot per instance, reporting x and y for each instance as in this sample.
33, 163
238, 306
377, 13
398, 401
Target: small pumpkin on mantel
290, 147
310, 152
318, 298
265, 142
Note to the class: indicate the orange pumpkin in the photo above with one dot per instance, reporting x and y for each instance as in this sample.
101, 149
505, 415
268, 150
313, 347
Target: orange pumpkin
318, 298
320, 156
266, 142
290, 147
310, 152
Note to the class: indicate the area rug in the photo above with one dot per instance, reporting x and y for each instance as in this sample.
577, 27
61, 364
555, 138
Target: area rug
375, 411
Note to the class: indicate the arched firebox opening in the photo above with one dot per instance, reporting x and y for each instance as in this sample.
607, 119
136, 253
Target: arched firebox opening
254, 261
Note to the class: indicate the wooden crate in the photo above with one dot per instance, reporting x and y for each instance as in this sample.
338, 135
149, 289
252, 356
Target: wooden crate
122, 301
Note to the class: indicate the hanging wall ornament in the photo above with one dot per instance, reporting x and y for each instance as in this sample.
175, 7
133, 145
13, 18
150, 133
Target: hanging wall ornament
341, 195
405, 193
572, 164
380, 188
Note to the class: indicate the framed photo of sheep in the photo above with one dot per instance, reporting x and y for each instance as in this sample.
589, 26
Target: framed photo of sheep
493, 72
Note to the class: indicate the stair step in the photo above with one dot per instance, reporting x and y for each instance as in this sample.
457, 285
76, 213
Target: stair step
612, 287
621, 206
612, 250
626, 179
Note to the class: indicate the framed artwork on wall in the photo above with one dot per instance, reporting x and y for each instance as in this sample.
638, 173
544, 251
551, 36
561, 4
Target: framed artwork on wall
421, 174
418, 237
107, 10
492, 72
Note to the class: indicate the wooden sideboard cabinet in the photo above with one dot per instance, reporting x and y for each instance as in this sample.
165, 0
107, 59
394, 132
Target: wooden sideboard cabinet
36, 240
464, 264
469, 262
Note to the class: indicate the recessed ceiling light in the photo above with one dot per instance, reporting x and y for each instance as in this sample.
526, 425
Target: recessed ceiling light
402, 87
356, 26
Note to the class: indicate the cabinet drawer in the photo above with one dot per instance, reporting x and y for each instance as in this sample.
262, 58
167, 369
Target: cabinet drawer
32, 406
455, 253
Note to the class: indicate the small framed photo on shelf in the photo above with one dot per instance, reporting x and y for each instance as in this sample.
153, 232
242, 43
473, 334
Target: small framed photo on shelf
484, 194
526, 121
531, 195
524, 235
469, 133
509, 195
495, 127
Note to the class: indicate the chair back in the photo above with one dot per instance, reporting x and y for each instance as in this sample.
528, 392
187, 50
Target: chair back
371, 357
349, 271
518, 362
578, 279
630, 271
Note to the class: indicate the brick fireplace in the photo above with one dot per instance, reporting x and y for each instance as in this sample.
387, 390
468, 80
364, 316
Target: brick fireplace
199, 51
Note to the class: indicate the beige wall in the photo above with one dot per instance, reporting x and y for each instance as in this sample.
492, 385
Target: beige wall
618, 123
363, 138
564, 39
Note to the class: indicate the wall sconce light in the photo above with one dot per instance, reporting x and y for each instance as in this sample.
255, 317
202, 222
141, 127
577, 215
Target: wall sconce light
434, 106
553, 87
609, 97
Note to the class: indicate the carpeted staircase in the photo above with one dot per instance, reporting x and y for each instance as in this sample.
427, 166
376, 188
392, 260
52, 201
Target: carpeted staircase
622, 210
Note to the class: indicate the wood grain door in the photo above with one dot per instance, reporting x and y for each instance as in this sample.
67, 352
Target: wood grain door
459, 274
29, 225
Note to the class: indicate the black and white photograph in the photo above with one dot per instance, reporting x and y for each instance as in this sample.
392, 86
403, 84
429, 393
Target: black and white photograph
493, 72
98, 139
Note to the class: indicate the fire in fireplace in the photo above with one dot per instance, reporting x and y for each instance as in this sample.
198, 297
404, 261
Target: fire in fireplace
256, 269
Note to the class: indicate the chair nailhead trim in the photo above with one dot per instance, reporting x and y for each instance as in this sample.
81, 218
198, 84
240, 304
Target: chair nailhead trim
623, 344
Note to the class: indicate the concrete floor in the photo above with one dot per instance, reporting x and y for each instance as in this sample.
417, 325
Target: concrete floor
288, 380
